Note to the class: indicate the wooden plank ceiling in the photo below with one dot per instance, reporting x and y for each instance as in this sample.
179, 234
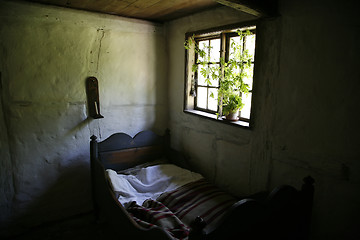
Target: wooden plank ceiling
153, 10
164, 10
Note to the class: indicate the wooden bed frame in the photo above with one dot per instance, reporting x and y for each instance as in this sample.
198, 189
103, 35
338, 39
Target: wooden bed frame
284, 213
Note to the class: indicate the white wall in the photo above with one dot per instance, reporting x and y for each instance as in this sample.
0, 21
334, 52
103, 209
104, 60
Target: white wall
204, 140
304, 110
46, 54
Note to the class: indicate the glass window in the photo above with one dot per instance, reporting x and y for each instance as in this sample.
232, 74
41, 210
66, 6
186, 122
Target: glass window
222, 64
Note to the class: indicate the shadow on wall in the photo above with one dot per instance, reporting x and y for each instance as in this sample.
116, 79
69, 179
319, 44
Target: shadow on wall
68, 196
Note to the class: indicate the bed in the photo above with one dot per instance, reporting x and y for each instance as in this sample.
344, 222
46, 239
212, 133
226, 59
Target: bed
143, 189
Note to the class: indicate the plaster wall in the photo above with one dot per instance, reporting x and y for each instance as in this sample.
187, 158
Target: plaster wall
304, 118
315, 125
46, 54
216, 150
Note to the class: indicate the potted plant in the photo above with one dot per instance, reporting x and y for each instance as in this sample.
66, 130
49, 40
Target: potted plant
231, 105
230, 74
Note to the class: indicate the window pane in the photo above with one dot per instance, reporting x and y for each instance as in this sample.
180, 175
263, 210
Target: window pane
245, 111
203, 45
213, 100
201, 97
234, 41
231, 50
215, 69
215, 50
201, 78
249, 78
250, 45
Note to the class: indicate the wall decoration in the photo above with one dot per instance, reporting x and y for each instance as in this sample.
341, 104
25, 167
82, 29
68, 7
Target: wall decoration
92, 91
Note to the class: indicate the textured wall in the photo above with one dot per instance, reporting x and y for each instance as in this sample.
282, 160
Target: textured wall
46, 53
315, 125
217, 150
305, 102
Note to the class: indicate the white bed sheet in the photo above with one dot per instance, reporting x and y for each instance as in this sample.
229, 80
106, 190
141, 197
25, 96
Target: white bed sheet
149, 182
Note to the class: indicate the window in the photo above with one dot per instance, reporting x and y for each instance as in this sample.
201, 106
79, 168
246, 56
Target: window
219, 74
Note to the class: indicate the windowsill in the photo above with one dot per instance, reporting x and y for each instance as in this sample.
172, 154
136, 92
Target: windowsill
213, 117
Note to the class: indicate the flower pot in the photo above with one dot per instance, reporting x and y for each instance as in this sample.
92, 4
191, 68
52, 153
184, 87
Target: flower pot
233, 116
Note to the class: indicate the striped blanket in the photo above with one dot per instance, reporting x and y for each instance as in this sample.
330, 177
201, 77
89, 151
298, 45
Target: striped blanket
154, 214
176, 210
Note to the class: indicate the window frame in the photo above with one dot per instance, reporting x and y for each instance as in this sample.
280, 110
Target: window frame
196, 107
228, 36
224, 32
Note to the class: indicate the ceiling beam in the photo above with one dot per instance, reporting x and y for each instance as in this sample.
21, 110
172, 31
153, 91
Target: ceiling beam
258, 8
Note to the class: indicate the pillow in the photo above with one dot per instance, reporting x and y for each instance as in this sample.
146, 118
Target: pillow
137, 168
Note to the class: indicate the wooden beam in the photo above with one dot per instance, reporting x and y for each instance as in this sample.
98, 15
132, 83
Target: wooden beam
258, 8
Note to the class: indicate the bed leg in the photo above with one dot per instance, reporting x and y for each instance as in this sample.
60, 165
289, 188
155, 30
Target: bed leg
93, 156
307, 196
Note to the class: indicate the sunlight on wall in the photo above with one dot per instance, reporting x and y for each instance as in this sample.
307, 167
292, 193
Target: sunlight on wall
46, 55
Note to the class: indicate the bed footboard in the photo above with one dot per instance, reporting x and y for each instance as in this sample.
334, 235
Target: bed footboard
283, 214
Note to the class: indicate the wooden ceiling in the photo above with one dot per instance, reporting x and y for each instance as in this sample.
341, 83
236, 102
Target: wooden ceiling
158, 10
153, 10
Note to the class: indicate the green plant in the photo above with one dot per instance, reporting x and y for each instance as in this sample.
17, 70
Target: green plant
230, 74
231, 103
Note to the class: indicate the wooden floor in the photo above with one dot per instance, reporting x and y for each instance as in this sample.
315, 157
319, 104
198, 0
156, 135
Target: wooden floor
79, 227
